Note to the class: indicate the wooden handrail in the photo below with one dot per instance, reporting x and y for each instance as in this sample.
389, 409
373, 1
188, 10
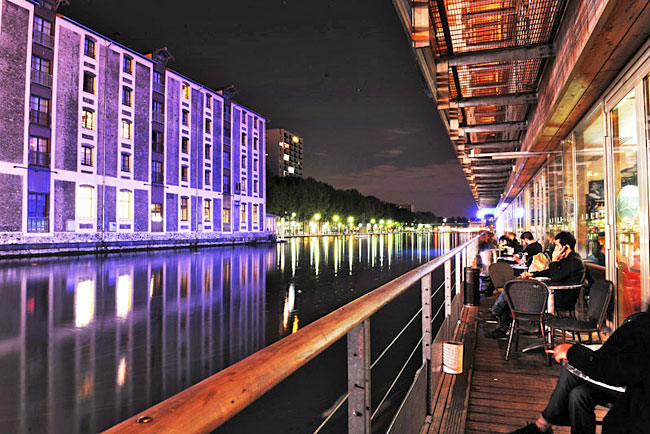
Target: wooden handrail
208, 404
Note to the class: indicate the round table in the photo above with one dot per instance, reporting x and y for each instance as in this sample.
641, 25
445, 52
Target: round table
556, 286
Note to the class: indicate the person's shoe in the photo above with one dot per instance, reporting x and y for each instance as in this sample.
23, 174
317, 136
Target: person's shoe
531, 428
497, 334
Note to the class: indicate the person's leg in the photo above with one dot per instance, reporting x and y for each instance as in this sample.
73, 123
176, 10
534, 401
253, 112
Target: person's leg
504, 319
582, 403
499, 304
557, 409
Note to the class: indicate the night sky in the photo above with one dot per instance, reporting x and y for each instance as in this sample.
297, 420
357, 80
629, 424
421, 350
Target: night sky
338, 73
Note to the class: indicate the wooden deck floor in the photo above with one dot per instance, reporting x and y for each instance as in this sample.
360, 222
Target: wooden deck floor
504, 395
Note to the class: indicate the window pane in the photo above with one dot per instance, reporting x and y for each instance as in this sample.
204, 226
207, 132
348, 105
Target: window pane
590, 185
85, 202
626, 197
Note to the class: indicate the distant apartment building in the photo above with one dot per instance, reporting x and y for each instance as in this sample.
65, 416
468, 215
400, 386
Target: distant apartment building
98, 139
284, 152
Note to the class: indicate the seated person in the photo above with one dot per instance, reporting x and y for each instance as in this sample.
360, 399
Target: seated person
531, 248
566, 267
621, 362
512, 242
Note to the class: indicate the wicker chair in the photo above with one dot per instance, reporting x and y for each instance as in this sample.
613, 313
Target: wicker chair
600, 295
527, 299
500, 273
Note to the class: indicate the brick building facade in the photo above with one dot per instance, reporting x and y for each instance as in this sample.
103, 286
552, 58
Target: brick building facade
101, 141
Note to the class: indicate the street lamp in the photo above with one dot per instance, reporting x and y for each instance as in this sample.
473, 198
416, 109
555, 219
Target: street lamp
317, 220
350, 222
338, 224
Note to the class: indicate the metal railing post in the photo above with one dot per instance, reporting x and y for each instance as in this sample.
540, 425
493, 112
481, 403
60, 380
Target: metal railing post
447, 287
359, 379
458, 273
425, 283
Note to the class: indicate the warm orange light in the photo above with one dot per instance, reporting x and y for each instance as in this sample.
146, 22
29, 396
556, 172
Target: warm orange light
295, 139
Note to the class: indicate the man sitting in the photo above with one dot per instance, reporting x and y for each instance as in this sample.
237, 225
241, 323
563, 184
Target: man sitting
566, 267
531, 248
621, 362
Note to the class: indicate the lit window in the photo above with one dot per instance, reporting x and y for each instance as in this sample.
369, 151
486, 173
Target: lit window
184, 172
208, 126
89, 82
185, 145
226, 215
255, 217
156, 212
186, 91
89, 48
124, 202
87, 119
127, 96
185, 118
86, 155
128, 65
207, 214
256, 166
85, 208
243, 213
184, 209
127, 129
286, 157
208, 177
243, 162
126, 162
243, 186
291, 169
208, 101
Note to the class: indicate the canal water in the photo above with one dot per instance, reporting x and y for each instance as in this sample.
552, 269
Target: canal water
88, 341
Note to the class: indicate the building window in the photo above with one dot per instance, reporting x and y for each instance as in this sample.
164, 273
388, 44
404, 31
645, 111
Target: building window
185, 119
127, 65
43, 32
38, 212
255, 122
255, 216
207, 214
226, 158
157, 172
88, 119
89, 47
157, 141
39, 151
226, 184
186, 91
127, 96
226, 112
255, 143
208, 151
158, 109
126, 162
243, 139
85, 196
156, 212
89, 83
124, 202
208, 101
255, 186
184, 209
208, 126
243, 212
243, 185
208, 177
185, 145
256, 165
158, 85
184, 172
41, 71
39, 110
243, 162
226, 132
127, 129
86, 155
226, 216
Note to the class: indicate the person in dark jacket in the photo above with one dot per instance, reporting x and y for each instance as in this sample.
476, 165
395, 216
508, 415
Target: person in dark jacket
566, 265
622, 362
531, 248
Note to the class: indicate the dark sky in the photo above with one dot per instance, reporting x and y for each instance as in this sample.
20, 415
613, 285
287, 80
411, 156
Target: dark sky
339, 73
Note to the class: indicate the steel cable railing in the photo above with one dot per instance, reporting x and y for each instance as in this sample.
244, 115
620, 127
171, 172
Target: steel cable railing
208, 404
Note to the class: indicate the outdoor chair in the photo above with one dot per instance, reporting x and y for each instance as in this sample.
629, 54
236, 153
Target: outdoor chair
599, 296
500, 273
527, 299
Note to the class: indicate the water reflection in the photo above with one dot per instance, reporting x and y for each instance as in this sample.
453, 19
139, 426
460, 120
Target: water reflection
86, 342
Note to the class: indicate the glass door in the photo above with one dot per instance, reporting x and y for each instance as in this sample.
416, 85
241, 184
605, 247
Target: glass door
625, 147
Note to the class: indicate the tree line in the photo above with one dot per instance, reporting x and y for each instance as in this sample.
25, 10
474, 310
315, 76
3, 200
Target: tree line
306, 197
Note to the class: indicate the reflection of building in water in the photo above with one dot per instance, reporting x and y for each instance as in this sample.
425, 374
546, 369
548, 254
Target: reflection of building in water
85, 343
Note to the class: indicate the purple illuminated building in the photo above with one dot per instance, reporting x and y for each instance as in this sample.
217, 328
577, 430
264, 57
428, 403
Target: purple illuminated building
101, 144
